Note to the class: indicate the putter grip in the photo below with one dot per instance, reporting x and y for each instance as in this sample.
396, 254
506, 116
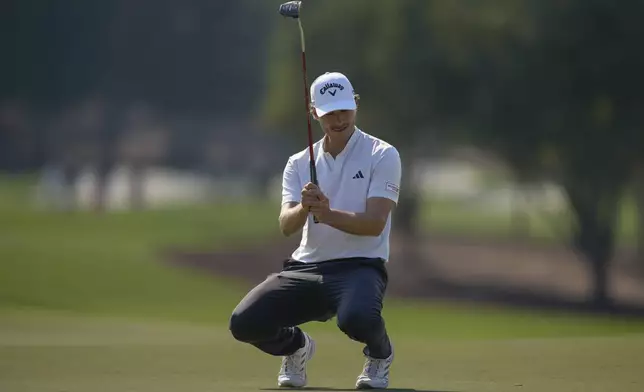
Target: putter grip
314, 180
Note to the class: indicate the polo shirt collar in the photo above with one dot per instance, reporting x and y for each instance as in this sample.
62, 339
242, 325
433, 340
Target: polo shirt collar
355, 136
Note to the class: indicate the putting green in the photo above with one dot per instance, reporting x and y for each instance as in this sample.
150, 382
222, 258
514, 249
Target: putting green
49, 351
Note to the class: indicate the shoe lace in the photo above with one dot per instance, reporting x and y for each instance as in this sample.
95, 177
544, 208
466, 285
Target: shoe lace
373, 366
289, 363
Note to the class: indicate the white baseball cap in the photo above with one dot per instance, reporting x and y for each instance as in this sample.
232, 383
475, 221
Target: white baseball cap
332, 91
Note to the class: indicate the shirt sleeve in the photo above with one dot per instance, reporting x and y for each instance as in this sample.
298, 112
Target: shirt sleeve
386, 176
291, 187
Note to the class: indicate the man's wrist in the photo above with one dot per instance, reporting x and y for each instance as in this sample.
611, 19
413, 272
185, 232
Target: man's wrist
302, 211
329, 217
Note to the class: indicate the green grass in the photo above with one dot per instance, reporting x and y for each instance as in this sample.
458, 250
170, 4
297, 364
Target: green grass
112, 263
44, 352
451, 217
86, 305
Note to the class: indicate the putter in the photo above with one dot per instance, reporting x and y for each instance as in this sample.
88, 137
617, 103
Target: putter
291, 9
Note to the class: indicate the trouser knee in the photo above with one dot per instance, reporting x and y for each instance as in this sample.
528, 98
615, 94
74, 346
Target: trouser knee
360, 325
244, 327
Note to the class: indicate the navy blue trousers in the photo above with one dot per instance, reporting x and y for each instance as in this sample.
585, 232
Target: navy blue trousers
352, 290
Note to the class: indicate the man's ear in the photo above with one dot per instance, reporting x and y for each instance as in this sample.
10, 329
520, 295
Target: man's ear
357, 98
314, 113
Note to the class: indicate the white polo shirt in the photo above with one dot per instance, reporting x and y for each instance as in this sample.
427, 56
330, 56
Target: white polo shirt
367, 167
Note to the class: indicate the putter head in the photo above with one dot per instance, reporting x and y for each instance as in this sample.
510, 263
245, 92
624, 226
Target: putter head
291, 9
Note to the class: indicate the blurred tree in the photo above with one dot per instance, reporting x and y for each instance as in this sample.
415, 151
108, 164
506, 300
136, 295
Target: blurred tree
638, 192
557, 81
484, 45
189, 57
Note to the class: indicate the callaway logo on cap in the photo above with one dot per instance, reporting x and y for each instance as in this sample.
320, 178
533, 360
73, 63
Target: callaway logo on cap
332, 91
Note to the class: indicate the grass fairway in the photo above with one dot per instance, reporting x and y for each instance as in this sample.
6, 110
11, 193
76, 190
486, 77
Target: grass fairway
53, 352
112, 263
86, 306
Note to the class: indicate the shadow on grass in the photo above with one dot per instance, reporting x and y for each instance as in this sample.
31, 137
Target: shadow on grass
353, 389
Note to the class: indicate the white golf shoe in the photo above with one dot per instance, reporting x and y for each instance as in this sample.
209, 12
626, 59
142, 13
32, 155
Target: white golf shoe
375, 374
293, 371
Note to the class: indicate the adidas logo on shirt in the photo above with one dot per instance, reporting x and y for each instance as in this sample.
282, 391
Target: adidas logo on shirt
358, 175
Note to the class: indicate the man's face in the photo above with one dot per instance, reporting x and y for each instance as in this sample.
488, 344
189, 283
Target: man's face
338, 121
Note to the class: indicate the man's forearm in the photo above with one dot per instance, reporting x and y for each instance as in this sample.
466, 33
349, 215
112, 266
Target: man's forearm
361, 224
293, 219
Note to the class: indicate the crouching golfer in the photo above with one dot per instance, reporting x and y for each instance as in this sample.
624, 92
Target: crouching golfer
339, 269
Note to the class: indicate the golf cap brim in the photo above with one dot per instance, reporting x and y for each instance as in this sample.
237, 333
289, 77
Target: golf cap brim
339, 105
